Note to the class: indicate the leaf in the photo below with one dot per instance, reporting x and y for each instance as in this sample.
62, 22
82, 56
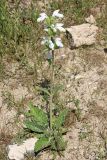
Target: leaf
63, 130
31, 126
61, 144
43, 90
61, 118
58, 143
39, 115
42, 143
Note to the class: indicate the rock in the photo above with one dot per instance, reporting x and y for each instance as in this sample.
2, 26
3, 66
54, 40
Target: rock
17, 152
29, 145
90, 20
84, 34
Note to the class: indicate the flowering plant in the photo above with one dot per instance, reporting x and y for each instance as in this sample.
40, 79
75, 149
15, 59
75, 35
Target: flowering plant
52, 28
49, 125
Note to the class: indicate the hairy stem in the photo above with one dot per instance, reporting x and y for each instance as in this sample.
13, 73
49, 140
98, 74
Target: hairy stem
51, 89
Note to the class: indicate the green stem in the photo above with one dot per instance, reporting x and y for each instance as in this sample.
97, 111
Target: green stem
51, 89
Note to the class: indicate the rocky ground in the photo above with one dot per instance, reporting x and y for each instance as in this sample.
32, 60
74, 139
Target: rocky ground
84, 74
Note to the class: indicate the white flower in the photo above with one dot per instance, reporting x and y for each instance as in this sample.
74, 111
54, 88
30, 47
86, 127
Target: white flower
42, 17
53, 28
57, 14
51, 45
48, 42
59, 26
58, 42
46, 29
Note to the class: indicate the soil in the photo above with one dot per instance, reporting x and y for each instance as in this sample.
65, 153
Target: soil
84, 74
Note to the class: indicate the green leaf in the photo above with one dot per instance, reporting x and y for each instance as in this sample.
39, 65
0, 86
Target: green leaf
31, 126
39, 115
43, 90
61, 118
63, 130
58, 143
61, 144
42, 143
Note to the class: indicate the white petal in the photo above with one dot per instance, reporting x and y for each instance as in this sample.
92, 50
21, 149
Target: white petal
39, 19
51, 45
42, 17
43, 14
59, 27
59, 24
57, 14
48, 42
58, 42
53, 28
46, 29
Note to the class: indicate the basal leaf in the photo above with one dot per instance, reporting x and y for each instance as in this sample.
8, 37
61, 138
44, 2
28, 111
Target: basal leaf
61, 144
39, 115
58, 144
42, 143
33, 127
61, 118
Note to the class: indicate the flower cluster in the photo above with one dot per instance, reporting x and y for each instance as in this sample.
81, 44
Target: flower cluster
43, 16
51, 44
52, 28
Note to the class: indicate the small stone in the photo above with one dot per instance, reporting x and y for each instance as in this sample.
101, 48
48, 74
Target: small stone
29, 145
17, 152
90, 20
